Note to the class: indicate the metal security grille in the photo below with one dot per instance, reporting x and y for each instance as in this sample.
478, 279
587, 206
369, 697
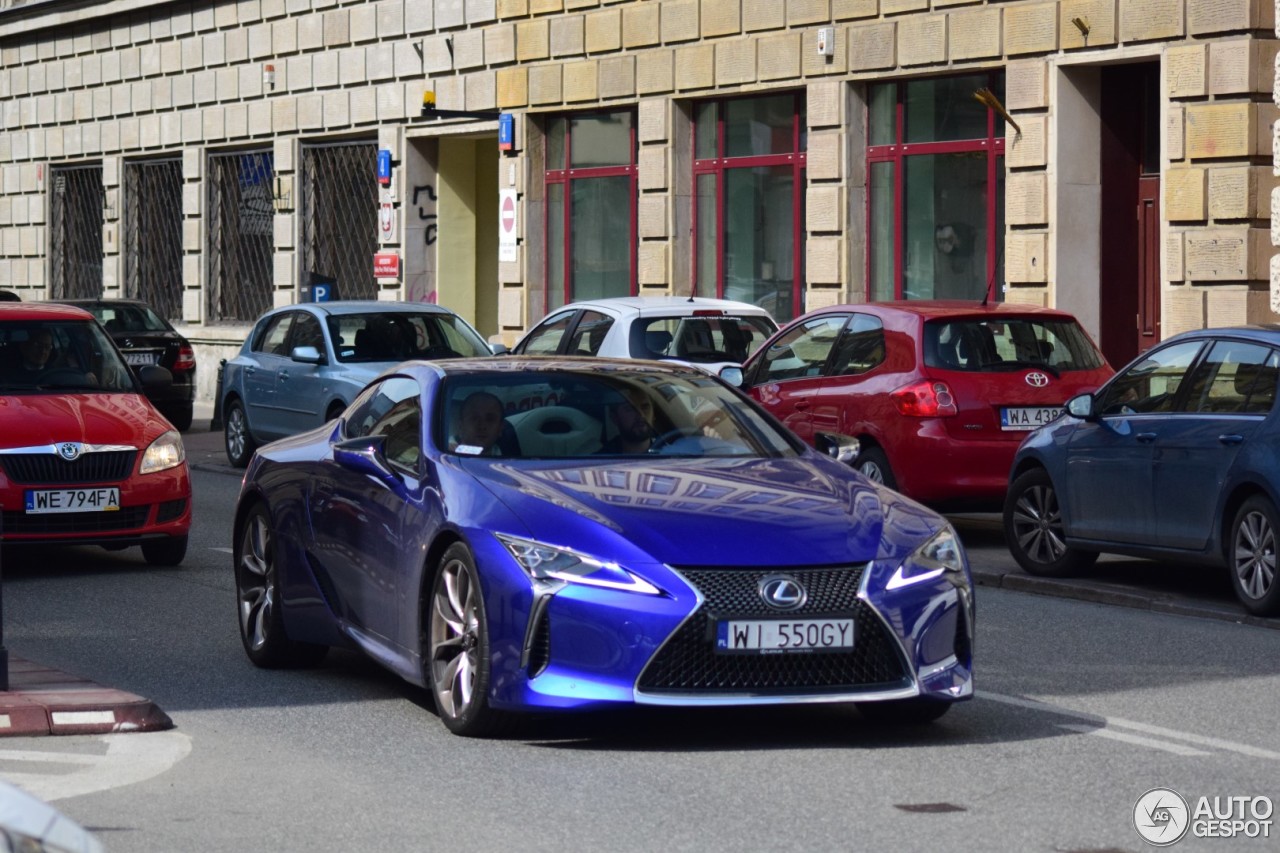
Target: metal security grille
152, 241
241, 235
340, 216
75, 232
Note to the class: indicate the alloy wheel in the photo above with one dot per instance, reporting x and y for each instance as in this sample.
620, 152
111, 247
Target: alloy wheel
256, 583
1255, 554
237, 432
1037, 525
455, 637
872, 472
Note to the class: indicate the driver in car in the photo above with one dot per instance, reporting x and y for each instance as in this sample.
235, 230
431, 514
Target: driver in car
633, 417
34, 352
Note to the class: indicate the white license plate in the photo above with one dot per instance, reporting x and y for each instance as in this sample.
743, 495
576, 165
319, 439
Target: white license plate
766, 636
1027, 417
73, 500
141, 357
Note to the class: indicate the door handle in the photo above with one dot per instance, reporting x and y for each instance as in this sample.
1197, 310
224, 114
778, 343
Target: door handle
1145, 437
1231, 440
284, 374
802, 406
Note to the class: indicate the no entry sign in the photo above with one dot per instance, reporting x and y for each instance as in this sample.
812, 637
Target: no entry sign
507, 241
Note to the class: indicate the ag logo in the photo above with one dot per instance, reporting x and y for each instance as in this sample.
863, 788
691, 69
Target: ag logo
1161, 817
70, 450
782, 592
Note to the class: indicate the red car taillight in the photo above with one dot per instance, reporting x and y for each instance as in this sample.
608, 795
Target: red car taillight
929, 399
186, 359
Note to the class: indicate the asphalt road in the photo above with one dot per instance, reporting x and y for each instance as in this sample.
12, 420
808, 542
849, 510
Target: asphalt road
1082, 708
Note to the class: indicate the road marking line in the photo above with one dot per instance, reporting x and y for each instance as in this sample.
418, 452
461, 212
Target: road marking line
1146, 728
222, 549
48, 757
130, 758
1175, 748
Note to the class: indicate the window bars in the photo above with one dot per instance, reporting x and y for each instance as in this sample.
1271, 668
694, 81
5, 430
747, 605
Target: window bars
75, 232
152, 240
240, 235
340, 216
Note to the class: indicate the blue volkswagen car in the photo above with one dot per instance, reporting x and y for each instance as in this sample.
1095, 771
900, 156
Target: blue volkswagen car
1177, 457
539, 534
303, 364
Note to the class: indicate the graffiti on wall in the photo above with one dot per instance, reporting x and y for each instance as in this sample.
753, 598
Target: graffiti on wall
422, 286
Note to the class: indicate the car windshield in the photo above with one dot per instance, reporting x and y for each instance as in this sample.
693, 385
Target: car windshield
399, 336
58, 356
700, 339
565, 414
987, 345
128, 318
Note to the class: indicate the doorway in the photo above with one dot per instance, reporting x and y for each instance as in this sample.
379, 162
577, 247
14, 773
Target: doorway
1129, 262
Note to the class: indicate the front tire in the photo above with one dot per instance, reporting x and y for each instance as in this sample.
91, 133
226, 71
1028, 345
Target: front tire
180, 417
873, 464
1033, 529
259, 603
165, 552
1251, 556
458, 652
236, 436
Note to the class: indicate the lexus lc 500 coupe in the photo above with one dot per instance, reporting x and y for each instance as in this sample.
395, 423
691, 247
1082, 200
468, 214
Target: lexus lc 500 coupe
85, 458
302, 364
940, 393
539, 534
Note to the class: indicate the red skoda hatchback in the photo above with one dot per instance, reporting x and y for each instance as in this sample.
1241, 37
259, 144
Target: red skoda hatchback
939, 393
84, 457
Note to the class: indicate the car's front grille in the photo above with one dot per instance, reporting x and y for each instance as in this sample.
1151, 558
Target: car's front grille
129, 518
106, 466
688, 661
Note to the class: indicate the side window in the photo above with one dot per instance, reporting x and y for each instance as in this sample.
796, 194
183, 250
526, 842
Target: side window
1235, 378
273, 337
588, 335
391, 408
1151, 384
307, 333
545, 339
861, 347
803, 351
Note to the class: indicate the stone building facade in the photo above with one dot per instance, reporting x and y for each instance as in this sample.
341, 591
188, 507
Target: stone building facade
216, 157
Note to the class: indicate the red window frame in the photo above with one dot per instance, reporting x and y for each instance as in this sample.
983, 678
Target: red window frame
899, 151
566, 176
720, 164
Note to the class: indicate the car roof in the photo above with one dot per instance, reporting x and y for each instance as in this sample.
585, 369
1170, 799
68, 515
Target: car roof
1268, 333
683, 304
103, 301
365, 306
509, 364
42, 311
948, 308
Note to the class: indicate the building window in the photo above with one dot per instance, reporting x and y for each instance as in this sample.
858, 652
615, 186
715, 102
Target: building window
748, 172
240, 236
935, 174
591, 207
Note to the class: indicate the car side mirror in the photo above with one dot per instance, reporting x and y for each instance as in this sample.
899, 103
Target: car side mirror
499, 349
842, 448
366, 455
307, 355
732, 374
1081, 406
154, 377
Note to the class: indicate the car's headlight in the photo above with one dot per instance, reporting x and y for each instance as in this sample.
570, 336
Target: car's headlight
543, 562
936, 557
164, 453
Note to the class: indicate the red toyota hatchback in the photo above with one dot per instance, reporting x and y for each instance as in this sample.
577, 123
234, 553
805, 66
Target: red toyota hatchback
84, 456
940, 394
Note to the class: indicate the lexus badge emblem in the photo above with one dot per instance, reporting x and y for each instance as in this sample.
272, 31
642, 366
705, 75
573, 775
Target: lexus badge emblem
70, 450
782, 592
1036, 379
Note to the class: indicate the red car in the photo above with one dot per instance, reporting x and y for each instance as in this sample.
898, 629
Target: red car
940, 394
84, 456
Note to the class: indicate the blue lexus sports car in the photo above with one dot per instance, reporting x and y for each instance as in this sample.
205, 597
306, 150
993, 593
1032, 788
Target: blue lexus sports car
537, 534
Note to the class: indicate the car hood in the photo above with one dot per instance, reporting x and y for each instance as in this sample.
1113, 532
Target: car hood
803, 511
40, 420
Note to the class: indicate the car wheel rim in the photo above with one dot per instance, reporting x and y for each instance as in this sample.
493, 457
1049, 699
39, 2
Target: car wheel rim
1255, 555
873, 472
1037, 525
455, 637
256, 583
235, 432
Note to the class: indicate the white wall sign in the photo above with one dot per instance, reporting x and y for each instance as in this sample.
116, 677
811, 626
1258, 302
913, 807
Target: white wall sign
507, 226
